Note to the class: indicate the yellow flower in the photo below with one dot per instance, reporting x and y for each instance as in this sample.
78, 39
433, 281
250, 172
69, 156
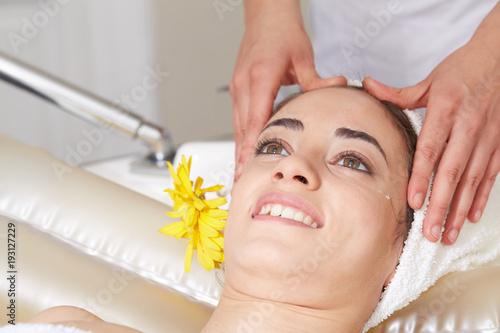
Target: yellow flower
201, 219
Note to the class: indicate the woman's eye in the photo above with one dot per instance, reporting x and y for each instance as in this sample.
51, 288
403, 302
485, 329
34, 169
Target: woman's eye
274, 149
353, 164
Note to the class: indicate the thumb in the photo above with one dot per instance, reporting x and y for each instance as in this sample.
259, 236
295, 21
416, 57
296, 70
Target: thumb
411, 97
309, 79
241, 163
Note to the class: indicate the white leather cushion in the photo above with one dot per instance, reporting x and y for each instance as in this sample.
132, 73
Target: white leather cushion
99, 217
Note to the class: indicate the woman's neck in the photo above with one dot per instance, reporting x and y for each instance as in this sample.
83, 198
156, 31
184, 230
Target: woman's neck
242, 313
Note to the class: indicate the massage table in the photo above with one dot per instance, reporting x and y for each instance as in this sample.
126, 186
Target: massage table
85, 241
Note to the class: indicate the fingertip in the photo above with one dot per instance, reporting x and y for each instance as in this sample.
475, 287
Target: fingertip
242, 161
307, 77
451, 237
475, 216
370, 83
433, 233
436, 231
328, 82
238, 170
235, 180
237, 153
430, 237
322, 83
418, 200
338, 80
367, 80
417, 190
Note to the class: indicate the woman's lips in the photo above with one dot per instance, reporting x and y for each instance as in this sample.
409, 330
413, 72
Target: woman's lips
287, 208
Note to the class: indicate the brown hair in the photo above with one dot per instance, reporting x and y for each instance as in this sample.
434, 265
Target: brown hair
404, 127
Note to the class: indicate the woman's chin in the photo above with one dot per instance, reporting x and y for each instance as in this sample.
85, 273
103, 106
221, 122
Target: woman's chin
261, 256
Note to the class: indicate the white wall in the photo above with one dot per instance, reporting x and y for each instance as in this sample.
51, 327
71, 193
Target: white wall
106, 46
198, 46
102, 46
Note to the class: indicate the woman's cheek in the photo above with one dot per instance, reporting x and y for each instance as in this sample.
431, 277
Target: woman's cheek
365, 211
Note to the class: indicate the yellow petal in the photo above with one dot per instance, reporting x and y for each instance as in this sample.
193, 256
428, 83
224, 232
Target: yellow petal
196, 239
188, 233
191, 218
212, 222
186, 183
173, 229
174, 214
171, 192
183, 174
173, 174
180, 191
216, 213
205, 261
187, 165
214, 188
174, 195
214, 203
207, 230
208, 243
219, 240
199, 204
215, 255
182, 207
197, 185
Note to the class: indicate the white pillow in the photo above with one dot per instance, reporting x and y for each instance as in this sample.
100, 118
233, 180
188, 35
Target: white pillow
99, 217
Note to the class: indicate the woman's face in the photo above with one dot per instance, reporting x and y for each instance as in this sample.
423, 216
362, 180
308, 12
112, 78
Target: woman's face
314, 218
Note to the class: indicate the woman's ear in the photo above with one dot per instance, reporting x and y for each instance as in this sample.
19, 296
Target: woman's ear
389, 278
391, 275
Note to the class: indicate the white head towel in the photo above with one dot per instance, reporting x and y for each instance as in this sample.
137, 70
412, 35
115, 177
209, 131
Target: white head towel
40, 328
422, 262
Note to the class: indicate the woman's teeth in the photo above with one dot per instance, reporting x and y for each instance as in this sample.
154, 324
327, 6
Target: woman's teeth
288, 213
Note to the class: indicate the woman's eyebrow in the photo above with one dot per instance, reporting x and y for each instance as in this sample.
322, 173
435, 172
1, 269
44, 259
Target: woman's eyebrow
347, 133
289, 123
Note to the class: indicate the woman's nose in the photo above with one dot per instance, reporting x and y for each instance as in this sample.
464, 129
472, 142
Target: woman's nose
295, 169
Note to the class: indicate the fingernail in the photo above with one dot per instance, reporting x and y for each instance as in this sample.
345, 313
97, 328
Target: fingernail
239, 168
418, 200
436, 231
477, 216
452, 235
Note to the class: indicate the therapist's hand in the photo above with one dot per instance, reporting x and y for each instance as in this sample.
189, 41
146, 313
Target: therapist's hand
462, 96
275, 51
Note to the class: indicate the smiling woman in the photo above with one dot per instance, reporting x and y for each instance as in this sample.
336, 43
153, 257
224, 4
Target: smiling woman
318, 219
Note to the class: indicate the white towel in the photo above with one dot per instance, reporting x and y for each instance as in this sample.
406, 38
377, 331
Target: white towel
40, 328
422, 262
